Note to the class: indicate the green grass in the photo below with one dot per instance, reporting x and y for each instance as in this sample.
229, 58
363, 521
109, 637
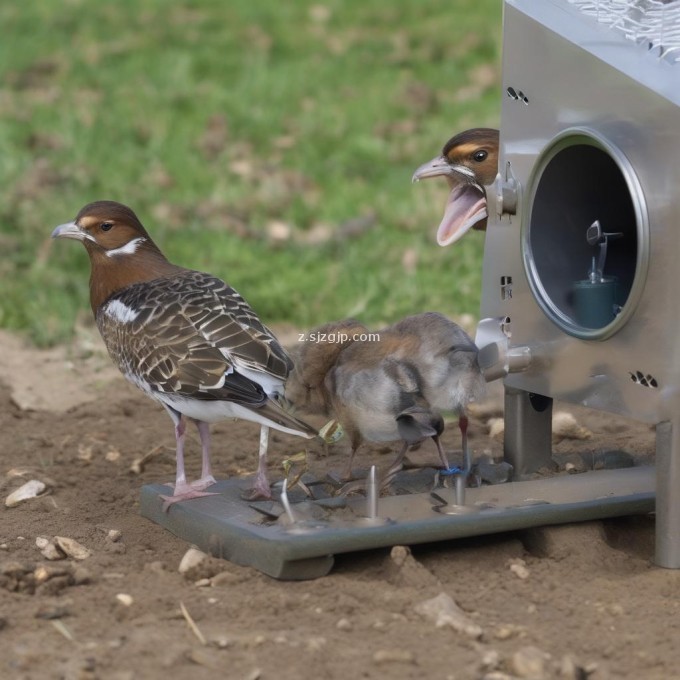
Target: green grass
215, 121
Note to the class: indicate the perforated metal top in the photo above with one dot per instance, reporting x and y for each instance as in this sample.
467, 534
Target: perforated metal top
653, 24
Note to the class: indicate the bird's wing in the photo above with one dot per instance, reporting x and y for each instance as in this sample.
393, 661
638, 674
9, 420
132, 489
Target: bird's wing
193, 335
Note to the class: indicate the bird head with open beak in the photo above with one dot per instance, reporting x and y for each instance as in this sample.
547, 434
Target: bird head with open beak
469, 161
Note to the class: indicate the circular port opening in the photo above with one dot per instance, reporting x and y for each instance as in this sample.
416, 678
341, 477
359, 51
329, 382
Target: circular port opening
585, 237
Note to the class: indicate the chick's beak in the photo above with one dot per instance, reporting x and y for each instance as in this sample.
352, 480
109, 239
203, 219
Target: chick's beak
69, 230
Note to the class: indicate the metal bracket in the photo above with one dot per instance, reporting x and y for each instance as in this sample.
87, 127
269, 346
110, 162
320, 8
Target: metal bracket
507, 192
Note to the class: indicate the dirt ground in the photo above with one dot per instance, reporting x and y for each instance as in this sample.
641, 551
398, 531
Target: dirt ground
579, 601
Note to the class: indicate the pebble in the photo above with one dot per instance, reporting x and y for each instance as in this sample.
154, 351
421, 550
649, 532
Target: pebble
46, 572
48, 549
507, 631
444, 612
114, 535
125, 599
192, 558
491, 660
224, 578
344, 624
394, 656
208, 658
519, 568
72, 548
530, 663
402, 569
30, 489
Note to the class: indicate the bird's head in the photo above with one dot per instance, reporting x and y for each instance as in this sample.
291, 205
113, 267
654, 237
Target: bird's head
120, 249
469, 161
106, 228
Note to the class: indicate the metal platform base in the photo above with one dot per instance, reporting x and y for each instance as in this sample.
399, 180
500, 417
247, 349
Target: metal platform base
261, 534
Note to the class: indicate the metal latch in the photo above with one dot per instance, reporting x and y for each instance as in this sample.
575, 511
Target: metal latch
496, 357
507, 192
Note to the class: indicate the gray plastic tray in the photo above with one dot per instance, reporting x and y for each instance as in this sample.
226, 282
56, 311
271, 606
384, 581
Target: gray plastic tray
261, 535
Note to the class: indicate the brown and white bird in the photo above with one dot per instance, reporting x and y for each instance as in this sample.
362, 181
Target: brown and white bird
185, 338
469, 161
393, 388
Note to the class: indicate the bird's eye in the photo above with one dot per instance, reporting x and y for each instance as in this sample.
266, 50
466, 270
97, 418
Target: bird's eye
480, 155
106, 226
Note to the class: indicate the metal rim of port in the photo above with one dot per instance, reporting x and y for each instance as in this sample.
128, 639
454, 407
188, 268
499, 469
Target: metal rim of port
591, 137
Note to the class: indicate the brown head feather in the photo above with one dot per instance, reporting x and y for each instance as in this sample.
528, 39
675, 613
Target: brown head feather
121, 251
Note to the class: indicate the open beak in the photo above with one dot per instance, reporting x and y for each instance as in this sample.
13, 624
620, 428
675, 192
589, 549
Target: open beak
466, 204
465, 209
69, 230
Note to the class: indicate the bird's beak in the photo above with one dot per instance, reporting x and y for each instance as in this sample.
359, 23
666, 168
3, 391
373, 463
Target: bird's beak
465, 209
466, 205
69, 230
435, 168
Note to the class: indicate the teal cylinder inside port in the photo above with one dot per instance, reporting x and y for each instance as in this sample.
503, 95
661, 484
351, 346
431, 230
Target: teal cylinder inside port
595, 302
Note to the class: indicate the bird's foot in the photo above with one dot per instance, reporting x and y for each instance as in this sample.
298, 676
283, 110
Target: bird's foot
203, 483
185, 492
261, 491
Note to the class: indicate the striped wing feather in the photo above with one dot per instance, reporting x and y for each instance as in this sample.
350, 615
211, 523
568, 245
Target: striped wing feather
191, 336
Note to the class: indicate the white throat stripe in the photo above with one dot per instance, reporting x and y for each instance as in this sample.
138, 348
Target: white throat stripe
128, 249
120, 312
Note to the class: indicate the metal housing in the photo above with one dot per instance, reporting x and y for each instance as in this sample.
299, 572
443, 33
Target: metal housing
590, 130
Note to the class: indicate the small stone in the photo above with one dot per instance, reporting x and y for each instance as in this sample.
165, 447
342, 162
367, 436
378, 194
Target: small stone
506, 631
394, 656
206, 657
444, 612
31, 489
224, 578
203, 583
498, 675
45, 572
344, 624
192, 559
491, 660
402, 569
125, 599
72, 548
530, 663
48, 549
518, 567
112, 455
221, 642
114, 535
570, 670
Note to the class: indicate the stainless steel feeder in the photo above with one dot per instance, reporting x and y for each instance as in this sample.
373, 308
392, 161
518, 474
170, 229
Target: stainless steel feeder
580, 262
